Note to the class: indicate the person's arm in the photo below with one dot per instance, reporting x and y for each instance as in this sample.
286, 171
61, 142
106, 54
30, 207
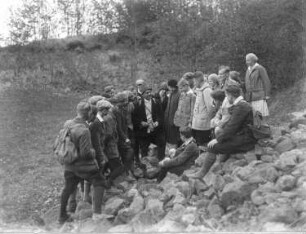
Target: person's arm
188, 152
85, 147
208, 100
96, 140
265, 81
239, 114
192, 102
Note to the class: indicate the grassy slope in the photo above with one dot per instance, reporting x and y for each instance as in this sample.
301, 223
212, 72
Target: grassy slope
31, 178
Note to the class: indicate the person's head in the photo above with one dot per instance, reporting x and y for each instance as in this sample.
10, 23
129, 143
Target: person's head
218, 95
84, 110
234, 75
185, 133
183, 85
94, 99
198, 79
147, 93
172, 85
140, 85
103, 107
189, 77
213, 81
120, 100
223, 72
109, 90
251, 59
93, 113
232, 92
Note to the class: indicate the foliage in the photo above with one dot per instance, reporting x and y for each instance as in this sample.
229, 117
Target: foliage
180, 36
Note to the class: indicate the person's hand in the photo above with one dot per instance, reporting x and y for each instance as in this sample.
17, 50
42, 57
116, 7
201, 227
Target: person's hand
172, 153
144, 124
267, 97
212, 143
161, 163
155, 124
127, 140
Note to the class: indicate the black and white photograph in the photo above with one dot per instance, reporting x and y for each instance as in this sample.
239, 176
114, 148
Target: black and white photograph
152, 116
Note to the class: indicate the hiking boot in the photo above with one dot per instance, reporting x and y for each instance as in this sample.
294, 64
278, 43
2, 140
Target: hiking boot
65, 219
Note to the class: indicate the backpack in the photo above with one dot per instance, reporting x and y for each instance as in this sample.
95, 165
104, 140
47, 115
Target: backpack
64, 149
259, 130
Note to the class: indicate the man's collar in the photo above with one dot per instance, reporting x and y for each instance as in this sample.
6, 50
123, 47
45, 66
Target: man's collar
251, 68
188, 141
238, 99
100, 118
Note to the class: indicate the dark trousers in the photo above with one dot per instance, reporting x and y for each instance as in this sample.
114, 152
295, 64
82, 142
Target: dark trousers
156, 139
202, 137
127, 156
237, 144
71, 183
115, 167
178, 170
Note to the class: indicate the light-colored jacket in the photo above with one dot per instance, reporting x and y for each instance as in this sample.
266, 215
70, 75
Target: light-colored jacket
222, 116
184, 113
257, 83
203, 108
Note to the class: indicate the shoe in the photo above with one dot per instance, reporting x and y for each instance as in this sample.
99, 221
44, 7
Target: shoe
65, 219
97, 217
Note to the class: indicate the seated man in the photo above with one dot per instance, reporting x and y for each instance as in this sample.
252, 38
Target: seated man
236, 137
184, 156
148, 125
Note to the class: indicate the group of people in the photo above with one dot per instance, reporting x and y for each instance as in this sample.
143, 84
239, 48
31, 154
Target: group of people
112, 132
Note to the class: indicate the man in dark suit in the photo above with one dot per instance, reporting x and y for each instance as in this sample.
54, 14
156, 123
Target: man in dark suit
148, 123
236, 136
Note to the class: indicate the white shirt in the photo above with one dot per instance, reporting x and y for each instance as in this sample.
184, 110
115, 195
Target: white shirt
100, 118
148, 107
252, 68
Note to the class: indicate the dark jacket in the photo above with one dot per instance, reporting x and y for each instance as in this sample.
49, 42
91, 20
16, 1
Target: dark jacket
139, 115
241, 116
97, 131
172, 106
80, 136
121, 126
257, 84
184, 155
111, 137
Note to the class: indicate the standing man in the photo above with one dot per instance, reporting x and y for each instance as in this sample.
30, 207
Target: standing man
257, 85
148, 124
120, 114
172, 131
203, 110
85, 167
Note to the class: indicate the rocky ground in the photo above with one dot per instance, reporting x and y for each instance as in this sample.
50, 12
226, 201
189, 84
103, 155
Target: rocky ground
262, 190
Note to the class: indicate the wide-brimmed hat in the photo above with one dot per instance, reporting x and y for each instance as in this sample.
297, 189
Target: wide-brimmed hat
119, 98
94, 99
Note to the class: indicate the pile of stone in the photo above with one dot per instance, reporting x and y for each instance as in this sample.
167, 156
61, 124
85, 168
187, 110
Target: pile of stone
262, 190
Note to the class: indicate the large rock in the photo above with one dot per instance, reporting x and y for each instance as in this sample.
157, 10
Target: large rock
214, 209
113, 205
152, 214
278, 213
176, 212
289, 159
299, 135
231, 164
165, 226
284, 144
286, 182
125, 228
236, 193
184, 188
127, 214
